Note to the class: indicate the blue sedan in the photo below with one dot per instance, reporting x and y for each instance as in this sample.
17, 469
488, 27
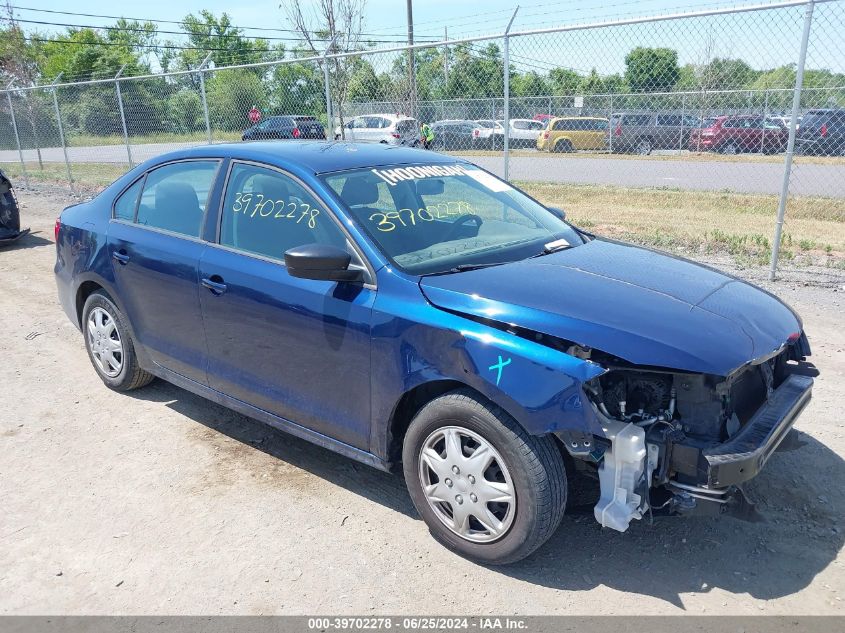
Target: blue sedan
411, 310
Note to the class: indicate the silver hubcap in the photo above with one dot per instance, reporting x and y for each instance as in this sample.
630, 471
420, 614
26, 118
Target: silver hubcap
467, 484
104, 342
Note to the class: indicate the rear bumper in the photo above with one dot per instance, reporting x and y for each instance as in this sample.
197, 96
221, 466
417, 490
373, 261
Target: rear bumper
744, 455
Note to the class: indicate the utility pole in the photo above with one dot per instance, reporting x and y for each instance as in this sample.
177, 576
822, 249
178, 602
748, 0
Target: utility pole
412, 75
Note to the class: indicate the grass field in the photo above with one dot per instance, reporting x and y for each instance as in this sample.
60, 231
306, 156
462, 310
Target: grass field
741, 225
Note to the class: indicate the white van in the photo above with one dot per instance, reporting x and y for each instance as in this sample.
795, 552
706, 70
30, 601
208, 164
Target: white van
392, 129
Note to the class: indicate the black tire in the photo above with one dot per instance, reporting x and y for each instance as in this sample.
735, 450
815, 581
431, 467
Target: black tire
130, 376
643, 146
535, 465
563, 146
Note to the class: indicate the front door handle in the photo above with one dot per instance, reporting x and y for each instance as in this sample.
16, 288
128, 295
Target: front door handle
120, 258
215, 284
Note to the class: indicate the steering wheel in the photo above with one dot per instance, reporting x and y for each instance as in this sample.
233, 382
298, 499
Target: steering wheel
466, 217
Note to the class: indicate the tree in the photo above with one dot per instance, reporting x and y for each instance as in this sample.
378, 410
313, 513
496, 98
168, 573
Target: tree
231, 94
338, 23
565, 81
652, 69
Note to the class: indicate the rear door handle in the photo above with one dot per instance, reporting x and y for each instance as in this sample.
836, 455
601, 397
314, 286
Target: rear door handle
120, 258
216, 287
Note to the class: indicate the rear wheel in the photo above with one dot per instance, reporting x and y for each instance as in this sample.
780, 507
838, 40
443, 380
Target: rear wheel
730, 148
110, 346
643, 147
563, 146
486, 489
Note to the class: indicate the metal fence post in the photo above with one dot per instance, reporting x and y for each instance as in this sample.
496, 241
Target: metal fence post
790, 145
507, 89
683, 115
17, 136
123, 116
204, 101
609, 123
329, 124
62, 133
765, 114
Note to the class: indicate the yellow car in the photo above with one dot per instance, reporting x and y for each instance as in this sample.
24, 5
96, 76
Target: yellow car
567, 134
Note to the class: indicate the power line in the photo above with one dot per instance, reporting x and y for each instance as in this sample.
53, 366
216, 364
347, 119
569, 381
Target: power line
158, 21
185, 33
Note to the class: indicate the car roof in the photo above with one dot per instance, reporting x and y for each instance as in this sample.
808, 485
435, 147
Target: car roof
578, 118
314, 157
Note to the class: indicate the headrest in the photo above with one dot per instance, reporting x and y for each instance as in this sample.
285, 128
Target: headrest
359, 191
176, 195
271, 187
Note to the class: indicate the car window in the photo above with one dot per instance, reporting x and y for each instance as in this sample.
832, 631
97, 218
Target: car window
520, 125
266, 212
431, 218
175, 196
598, 125
636, 119
536, 125
669, 119
126, 203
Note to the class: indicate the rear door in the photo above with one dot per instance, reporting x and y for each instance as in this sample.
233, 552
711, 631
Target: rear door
155, 247
297, 348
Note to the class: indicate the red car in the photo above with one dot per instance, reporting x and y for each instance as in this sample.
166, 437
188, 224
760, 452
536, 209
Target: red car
741, 133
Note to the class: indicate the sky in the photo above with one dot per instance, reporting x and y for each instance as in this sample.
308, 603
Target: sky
766, 39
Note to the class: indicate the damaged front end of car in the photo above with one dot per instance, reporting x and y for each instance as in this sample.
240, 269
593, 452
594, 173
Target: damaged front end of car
10, 220
677, 442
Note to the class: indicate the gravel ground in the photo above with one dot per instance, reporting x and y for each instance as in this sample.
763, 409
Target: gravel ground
161, 502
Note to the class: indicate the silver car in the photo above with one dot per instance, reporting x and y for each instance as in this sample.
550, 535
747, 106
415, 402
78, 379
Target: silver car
391, 129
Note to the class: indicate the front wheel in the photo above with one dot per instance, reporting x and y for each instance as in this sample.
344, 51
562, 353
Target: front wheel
486, 489
110, 345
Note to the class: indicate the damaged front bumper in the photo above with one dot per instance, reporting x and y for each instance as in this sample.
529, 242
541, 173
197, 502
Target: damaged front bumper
678, 475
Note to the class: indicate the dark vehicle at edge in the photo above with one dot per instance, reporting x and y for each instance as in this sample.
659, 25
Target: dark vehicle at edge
410, 310
822, 132
285, 127
10, 219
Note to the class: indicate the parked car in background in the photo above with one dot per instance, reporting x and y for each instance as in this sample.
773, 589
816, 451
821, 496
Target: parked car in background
485, 132
567, 134
739, 133
642, 132
822, 132
391, 129
286, 127
10, 218
453, 135
523, 133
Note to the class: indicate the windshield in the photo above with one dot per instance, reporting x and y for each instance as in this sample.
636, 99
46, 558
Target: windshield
434, 218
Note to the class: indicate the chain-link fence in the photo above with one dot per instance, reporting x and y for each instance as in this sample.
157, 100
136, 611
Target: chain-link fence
676, 130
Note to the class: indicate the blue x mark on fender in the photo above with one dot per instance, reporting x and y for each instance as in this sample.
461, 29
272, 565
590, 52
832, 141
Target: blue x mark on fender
499, 366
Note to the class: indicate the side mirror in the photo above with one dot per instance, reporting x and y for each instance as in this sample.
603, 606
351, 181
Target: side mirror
323, 262
558, 212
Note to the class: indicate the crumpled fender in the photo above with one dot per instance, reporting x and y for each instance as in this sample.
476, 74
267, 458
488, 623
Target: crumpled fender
539, 386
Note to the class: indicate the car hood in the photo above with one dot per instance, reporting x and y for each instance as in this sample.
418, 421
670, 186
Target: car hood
642, 306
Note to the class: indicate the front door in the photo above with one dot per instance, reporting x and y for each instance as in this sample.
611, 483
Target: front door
155, 250
297, 348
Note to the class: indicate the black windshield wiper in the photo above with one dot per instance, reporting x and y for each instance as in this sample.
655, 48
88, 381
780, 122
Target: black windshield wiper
462, 268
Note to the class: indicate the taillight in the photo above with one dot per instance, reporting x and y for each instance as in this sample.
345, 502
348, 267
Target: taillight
824, 129
395, 135
546, 134
56, 229
475, 133
618, 130
296, 132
